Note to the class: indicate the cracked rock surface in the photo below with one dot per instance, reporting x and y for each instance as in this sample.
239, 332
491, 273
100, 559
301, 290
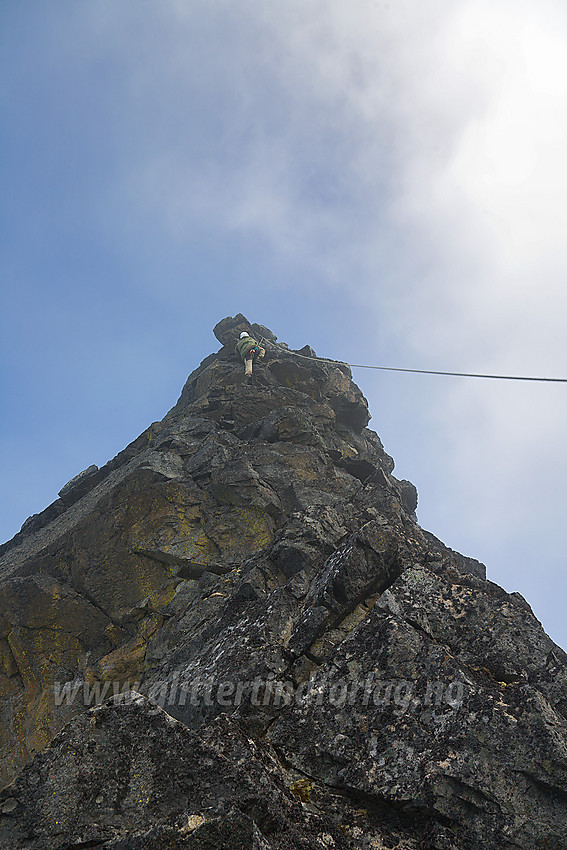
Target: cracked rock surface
237, 634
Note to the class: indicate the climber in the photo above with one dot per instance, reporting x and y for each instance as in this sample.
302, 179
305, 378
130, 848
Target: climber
249, 349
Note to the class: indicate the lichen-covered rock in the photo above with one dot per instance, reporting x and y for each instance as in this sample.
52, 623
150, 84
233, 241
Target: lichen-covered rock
251, 565
127, 775
409, 717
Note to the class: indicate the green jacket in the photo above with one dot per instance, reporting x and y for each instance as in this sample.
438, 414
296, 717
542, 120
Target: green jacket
245, 345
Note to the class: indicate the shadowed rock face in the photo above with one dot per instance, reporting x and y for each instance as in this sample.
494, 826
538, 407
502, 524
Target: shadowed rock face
311, 668
126, 775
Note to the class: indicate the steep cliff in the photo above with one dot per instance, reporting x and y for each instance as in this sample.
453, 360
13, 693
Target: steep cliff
236, 633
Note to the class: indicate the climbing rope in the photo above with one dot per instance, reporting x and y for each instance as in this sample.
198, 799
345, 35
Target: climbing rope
422, 371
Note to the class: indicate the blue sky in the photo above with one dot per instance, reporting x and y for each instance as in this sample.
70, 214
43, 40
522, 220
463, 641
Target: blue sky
383, 181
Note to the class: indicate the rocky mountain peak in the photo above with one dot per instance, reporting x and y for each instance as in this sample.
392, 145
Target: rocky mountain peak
236, 632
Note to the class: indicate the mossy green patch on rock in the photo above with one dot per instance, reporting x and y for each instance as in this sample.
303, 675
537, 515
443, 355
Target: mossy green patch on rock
8, 665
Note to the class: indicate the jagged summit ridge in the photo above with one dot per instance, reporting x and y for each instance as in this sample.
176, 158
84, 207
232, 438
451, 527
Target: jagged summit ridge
251, 565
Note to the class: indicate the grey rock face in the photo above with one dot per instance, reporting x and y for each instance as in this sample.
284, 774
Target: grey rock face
426, 730
126, 775
79, 479
313, 669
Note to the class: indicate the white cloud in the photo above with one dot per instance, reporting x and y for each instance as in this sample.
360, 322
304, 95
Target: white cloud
411, 152
351, 135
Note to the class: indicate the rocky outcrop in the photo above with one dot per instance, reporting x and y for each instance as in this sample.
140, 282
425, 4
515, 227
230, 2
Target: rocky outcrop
126, 775
302, 664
